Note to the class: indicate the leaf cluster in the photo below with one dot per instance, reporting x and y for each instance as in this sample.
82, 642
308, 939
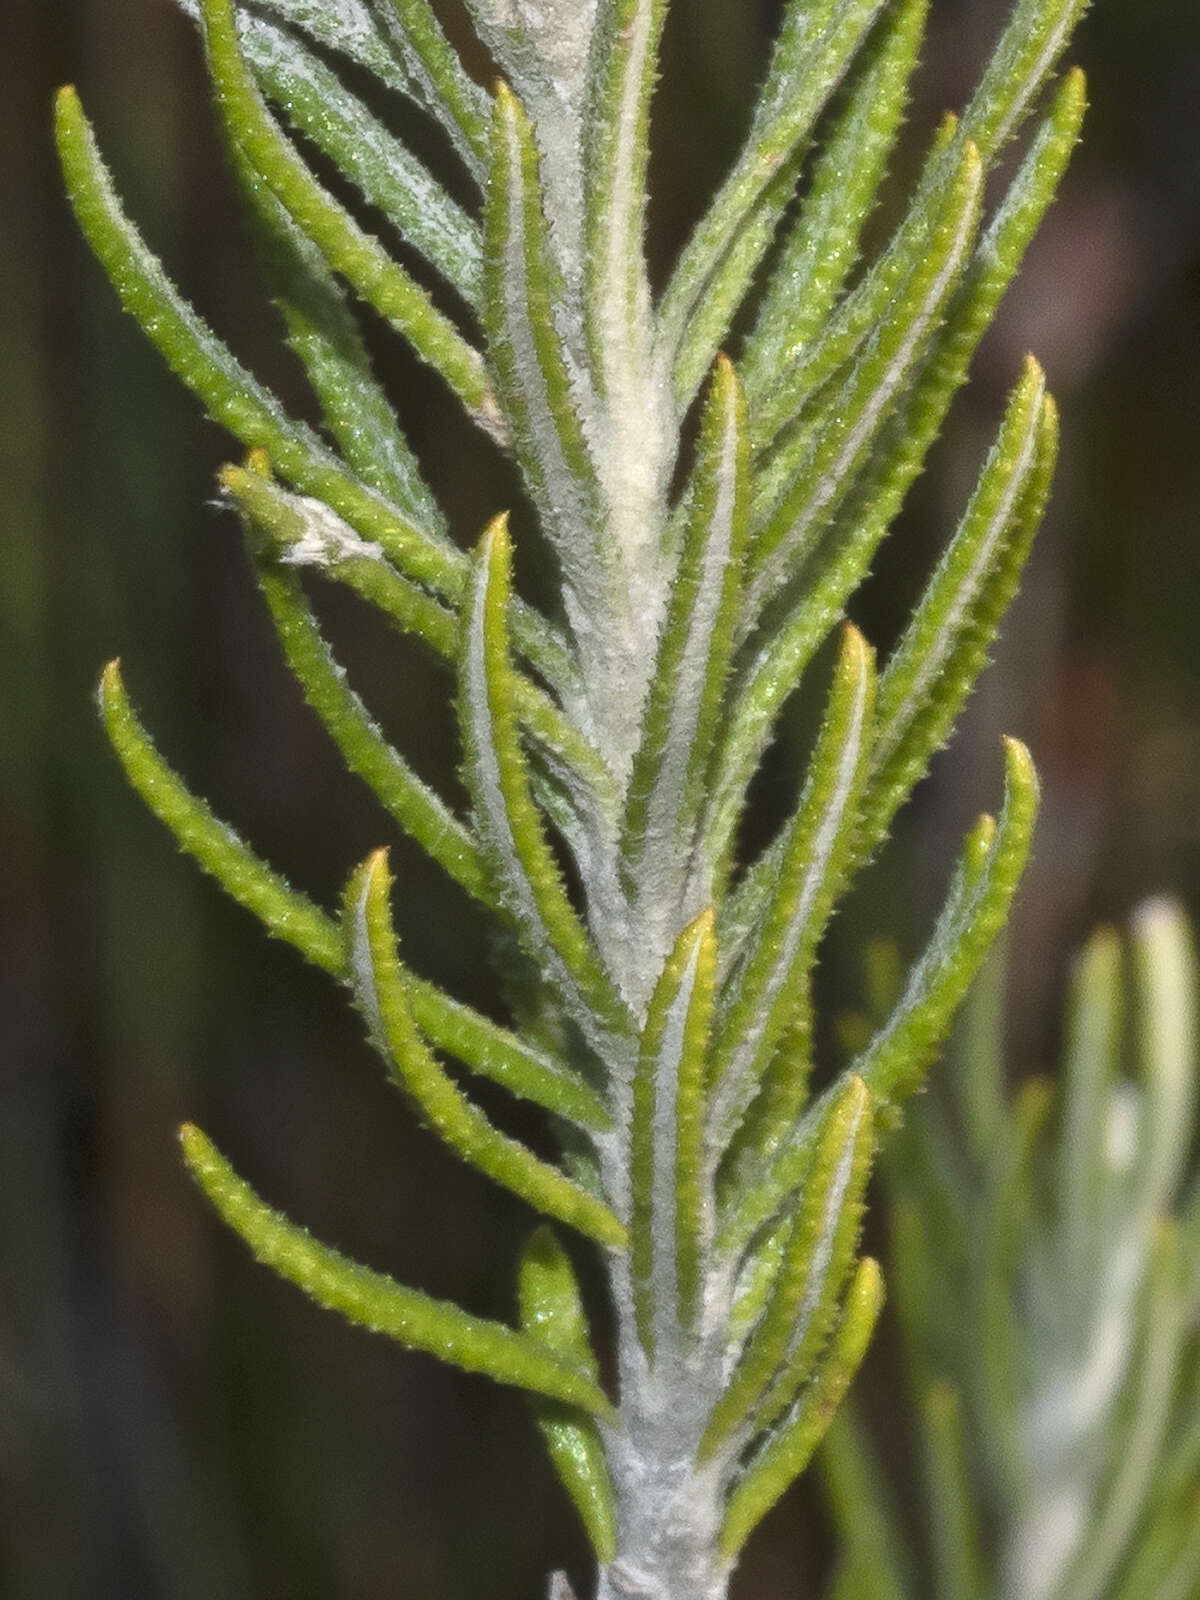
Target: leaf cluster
624, 732
1046, 1261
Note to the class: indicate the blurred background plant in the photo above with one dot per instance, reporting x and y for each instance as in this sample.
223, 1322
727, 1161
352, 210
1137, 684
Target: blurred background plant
150, 1441
1045, 1262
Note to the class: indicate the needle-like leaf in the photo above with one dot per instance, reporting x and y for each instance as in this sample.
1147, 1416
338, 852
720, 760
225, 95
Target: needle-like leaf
693, 657
282, 910
358, 257
816, 44
552, 1313
316, 103
818, 251
453, 96
228, 392
826, 466
378, 1303
761, 998
382, 995
957, 1560
322, 332
900, 1053
670, 1225
541, 404
421, 813
624, 55
810, 1276
526, 872
944, 649
791, 1447
302, 531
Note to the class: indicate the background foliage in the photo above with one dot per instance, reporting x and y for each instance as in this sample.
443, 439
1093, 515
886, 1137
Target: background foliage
173, 1421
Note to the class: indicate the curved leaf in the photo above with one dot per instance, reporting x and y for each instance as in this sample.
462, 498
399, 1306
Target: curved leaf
376, 1302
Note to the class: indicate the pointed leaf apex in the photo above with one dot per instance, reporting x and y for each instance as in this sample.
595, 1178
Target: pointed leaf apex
110, 682
508, 108
1019, 762
496, 541
1033, 372
857, 655
196, 1147
978, 847
367, 885
376, 864
542, 1246
858, 1095
696, 935
868, 1287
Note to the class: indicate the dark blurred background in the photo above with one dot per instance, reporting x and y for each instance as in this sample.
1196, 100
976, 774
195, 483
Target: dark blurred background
173, 1422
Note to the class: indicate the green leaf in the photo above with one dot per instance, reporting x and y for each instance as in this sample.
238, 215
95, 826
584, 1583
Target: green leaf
1135, 1459
666, 1141
281, 910
820, 469
819, 249
998, 1368
552, 1313
227, 391
684, 708
323, 334
1167, 984
524, 296
789, 1450
519, 852
944, 648
895, 1062
317, 104
817, 42
713, 317
1092, 1060
421, 813
760, 998
778, 662
351, 252
1038, 32
345, 27
997, 110
811, 1275
899, 1055
958, 1570
494, 1052
615, 138
378, 1303
304, 532
871, 1546
381, 990
775, 1112
457, 101
481, 1045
